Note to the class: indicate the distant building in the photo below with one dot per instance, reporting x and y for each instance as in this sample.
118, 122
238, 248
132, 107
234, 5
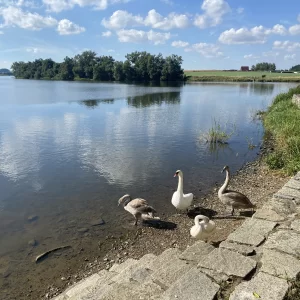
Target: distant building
244, 68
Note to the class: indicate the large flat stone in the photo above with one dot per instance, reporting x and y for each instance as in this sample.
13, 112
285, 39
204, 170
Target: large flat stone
242, 249
293, 184
283, 206
166, 257
118, 268
252, 232
267, 213
84, 284
287, 241
192, 286
170, 271
228, 262
289, 193
196, 251
296, 225
214, 275
279, 264
266, 286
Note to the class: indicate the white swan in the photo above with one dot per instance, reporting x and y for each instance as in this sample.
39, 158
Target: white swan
202, 230
138, 207
180, 200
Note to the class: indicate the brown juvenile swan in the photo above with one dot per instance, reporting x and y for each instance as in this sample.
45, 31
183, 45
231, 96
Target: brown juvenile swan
138, 207
232, 198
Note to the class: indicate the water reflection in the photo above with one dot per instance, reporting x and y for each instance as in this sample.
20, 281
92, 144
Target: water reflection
256, 88
154, 99
94, 103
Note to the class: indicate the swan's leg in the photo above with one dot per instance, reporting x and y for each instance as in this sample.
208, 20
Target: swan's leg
136, 220
232, 211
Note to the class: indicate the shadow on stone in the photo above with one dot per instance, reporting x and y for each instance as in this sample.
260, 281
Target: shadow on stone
192, 213
247, 213
159, 224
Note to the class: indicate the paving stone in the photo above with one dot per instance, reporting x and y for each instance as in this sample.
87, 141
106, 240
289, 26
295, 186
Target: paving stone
193, 286
296, 225
283, 206
287, 241
121, 267
196, 251
166, 257
132, 291
279, 264
83, 285
266, 286
228, 262
293, 184
170, 270
243, 249
297, 176
215, 276
288, 193
252, 232
266, 213
61, 297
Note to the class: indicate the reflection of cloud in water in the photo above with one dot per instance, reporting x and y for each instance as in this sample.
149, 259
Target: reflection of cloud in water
19, 150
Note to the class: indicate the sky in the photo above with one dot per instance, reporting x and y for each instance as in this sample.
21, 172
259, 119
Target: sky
208, 34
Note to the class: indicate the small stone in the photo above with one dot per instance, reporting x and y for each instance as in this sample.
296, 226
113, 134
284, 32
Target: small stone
32, 218
97, 222
32, 243
6, 274
82, 230
63, 278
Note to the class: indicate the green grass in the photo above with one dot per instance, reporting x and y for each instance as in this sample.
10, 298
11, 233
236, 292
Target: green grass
241, 76
217, 134
282, 121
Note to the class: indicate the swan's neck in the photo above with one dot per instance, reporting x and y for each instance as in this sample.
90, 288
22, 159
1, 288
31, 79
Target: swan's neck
198, 218
180, 183
225, 185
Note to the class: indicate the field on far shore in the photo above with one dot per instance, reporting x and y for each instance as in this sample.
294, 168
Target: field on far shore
218, 75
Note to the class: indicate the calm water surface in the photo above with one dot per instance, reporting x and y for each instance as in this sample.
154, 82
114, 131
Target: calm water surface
70, 150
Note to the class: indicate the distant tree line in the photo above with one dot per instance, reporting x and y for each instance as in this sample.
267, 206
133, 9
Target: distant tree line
138, 66
263, 66
295, 68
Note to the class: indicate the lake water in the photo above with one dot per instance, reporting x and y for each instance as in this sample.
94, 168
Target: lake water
70, 150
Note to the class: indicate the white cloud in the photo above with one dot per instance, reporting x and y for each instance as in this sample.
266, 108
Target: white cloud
214, 10
14, 16
1, 32
140, 36
66, 27
179, 44
168, 2
121, 19
295, 29
32, 50
286, 45
19, 3
270, 54
107, 33
59, 5
290, 57
240, 10
111, 50
250, 56
205, 49
173, 20
255, 35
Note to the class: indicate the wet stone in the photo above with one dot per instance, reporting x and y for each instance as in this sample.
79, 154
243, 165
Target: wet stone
97, 222
82, 230
32, 218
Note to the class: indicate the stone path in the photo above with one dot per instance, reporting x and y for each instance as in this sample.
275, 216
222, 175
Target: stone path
258, 260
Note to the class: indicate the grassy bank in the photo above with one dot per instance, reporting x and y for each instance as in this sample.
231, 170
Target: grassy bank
239, 76
282, 123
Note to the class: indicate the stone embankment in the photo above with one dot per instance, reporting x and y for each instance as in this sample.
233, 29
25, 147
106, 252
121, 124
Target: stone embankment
259, 260
296, 99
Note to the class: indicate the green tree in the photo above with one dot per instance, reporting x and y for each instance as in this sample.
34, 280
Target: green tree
119, 71
104, 68
295, 68
66, 69
84, 64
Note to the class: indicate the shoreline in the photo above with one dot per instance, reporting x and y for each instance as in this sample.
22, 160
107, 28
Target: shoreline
253, 179
193, 79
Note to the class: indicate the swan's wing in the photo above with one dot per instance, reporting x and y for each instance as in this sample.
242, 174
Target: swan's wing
145, 209
238, 198
188, 197
136, 203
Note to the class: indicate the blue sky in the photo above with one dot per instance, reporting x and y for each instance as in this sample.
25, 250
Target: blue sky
208, 34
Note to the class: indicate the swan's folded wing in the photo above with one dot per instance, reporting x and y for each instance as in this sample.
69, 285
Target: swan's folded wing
145, 209
138, 202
